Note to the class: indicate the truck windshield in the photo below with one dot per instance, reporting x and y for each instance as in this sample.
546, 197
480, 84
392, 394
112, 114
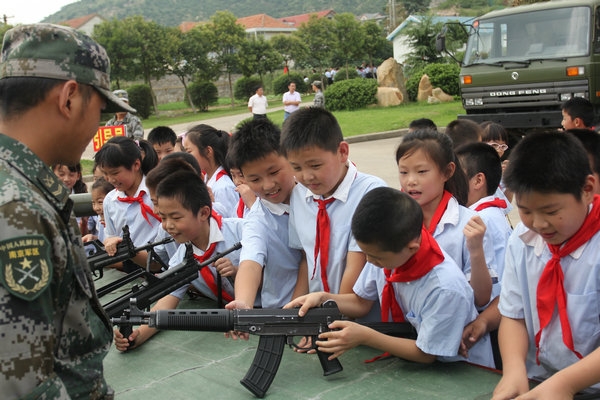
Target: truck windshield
538, 35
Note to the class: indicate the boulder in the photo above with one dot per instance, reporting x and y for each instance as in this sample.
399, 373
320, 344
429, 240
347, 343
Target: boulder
388, 96
425, 89
390, 75
441, 95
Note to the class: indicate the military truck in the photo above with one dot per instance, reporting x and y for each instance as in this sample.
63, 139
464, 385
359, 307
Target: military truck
521, 63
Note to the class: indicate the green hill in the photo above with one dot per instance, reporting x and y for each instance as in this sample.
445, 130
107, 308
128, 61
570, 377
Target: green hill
173, 12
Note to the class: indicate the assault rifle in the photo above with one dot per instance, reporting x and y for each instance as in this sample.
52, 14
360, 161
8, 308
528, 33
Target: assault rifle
158, 286
275, 328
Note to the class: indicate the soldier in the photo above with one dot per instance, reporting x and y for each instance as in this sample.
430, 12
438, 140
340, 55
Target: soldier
132, 123
54, 83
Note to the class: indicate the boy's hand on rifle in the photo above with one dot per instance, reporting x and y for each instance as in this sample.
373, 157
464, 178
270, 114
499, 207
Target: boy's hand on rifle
89, 238
345, 335
237, 305
225, 267
122, 343
307, 302
110, 245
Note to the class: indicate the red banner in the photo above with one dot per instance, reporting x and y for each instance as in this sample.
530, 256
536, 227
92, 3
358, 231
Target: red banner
105, 133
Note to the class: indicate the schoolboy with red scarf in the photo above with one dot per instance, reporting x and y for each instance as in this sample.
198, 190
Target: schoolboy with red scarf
187, 216
551, 285
411, 277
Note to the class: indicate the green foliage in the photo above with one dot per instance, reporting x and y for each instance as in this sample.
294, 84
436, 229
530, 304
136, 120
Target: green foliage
246, 87
203, 94
350, 72
415, 6
444, 76
257, 56
140, 98
281, 83
319, 36
351, 94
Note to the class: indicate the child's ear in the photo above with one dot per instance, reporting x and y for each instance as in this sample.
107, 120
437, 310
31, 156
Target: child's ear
414, 245
480, 180
204, 213
343, 151
587, 195
450, 169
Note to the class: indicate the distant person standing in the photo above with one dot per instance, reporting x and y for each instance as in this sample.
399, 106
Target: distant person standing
258, 104
133, 123
319, 97
291, 101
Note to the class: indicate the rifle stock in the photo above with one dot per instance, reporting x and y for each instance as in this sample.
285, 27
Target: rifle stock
275, 328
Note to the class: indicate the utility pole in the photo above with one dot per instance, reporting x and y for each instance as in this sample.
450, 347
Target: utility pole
5, 19
392, 9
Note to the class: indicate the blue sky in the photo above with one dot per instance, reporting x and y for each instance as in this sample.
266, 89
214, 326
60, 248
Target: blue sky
30, 11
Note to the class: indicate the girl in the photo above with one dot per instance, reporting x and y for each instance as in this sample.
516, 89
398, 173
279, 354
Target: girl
120, 159
496, 136
430, 173
209, 146
72, 178
100, 188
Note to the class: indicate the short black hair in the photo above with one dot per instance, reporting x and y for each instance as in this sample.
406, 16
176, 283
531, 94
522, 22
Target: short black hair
387, 218
253, 140
578, 107
548, 162
591, 143
178, 161
311, 127
161, 135
422, 123
188, 188
491, 131
481, 157
102, 184
463, 131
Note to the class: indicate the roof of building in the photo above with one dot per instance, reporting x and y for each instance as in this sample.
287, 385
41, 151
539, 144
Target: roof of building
297, 20
261, 21
77, 23
419, 18
187, 26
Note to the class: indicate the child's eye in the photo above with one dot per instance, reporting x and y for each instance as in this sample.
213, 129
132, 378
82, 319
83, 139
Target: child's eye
423, 171
275, 172
315, 166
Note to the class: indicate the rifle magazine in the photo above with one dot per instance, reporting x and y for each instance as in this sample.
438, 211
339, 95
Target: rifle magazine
264, 367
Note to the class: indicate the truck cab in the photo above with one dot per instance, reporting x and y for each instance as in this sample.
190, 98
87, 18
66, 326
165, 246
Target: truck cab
521, 63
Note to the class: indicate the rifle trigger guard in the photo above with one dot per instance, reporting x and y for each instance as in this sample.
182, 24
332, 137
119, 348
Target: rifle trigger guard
292, 344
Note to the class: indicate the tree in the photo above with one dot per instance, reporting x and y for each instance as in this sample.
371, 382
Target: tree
415, 6
122, 47
319, 36
376, 47
226, 38
258, 57
422, 38
290, 47
350, 38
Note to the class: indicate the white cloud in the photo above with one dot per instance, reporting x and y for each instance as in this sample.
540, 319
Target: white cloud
30, 11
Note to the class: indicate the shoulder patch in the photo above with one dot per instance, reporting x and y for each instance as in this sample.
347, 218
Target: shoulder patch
25, 266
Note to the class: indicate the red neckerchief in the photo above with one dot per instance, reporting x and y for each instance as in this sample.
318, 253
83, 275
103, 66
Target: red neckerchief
420, 264
220, 174
145, 208
497, 202
240, 208
322, 240
550, 289
206, 273
439, 211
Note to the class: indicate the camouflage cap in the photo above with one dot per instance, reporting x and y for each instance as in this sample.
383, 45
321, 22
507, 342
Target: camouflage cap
58, 52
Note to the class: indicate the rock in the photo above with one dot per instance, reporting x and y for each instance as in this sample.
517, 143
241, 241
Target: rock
425, 89
388, 96
390, 75
441, 95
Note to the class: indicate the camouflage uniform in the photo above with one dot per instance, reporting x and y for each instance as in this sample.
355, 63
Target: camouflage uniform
54, 331
133, 124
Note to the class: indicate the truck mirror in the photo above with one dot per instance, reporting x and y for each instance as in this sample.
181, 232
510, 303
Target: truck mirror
440, 40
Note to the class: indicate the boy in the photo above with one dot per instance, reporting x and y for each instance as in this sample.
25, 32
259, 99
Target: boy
163, 140
483, 169
463, 131
412, 279
247, 196
552, 263
422, 123
578, 113
591, 143
329, 189
268, 266
187, 216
